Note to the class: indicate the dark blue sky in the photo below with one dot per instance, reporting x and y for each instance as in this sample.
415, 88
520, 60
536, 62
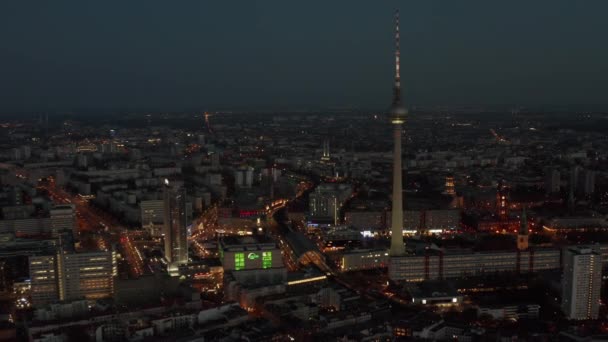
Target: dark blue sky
61, 55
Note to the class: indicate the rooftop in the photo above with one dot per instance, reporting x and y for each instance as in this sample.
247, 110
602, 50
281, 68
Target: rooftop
247, 242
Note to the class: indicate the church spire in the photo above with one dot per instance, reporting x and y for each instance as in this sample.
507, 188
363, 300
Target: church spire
523, 228
522, 237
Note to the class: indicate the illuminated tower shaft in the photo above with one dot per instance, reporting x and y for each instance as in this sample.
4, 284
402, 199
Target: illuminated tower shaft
397, 246
397, 113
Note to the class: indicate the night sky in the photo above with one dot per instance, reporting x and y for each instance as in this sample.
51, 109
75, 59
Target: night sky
173, 55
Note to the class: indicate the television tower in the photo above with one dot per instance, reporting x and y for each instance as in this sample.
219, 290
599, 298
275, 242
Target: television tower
397, 114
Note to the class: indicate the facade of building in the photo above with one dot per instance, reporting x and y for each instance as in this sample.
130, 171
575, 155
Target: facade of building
26, 227
412, 221
439, 220
434, 266
89, 275
438, 264
71, 276
511, 312
582, 283
365, 220
364, 260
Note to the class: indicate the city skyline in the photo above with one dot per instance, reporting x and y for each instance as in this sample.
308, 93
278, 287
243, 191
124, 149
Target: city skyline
407, 223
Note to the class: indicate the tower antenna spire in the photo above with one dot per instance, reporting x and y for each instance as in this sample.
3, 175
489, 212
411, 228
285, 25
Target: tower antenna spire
397, 85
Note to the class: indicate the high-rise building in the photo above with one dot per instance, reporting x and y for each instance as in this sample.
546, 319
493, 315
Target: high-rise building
175, 225
397, 115
581, 283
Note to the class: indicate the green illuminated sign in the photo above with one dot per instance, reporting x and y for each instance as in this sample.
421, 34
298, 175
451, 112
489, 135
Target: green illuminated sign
266, 259
239, 261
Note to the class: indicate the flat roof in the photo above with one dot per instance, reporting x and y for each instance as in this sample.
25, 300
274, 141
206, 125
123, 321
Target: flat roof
247, 242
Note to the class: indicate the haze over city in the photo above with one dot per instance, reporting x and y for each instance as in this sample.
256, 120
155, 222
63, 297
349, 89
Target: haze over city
154, 55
